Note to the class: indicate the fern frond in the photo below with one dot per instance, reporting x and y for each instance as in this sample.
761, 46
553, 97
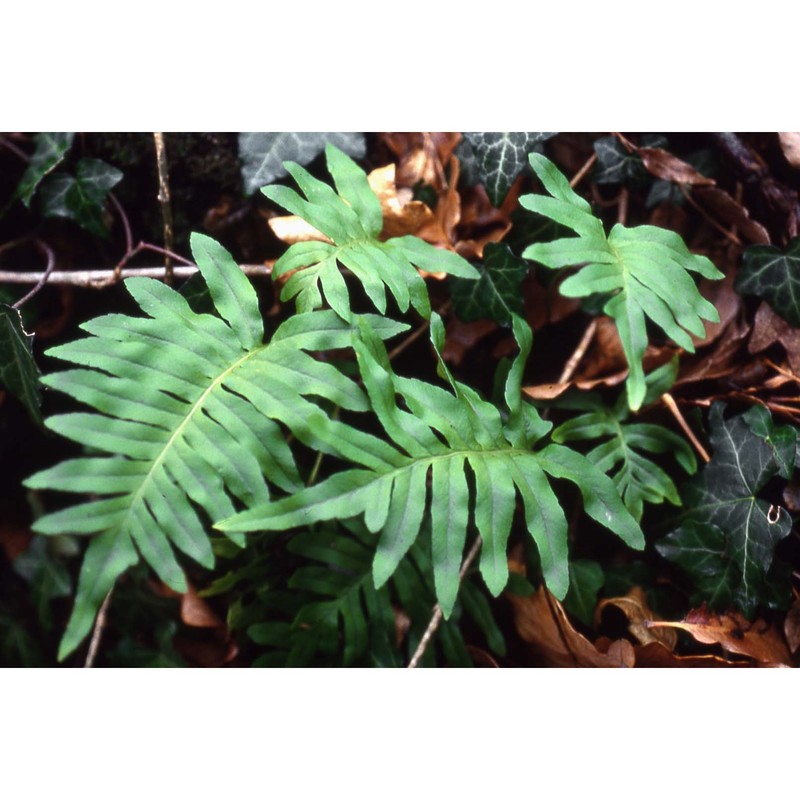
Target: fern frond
646, 269
623, 456
443, 433
353, 220
187, 404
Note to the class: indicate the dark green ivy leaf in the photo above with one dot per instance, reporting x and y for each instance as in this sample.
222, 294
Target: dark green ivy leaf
774, 276
616, 165
81, 197
496, 294
725, 497
500, 157
18, 371
263, 154
50, 151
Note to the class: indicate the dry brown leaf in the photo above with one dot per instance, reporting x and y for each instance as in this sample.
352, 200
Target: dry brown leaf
768, 329
655, 655
196, 612
728, 303
461, 337
549, 391
402, 214
791, 626
545, 627
790, 144
14, 539
635, 608
291, 229
757, 640
668, 167
724, 209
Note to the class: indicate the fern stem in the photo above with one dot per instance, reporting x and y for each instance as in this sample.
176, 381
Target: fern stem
97, 631
436, 618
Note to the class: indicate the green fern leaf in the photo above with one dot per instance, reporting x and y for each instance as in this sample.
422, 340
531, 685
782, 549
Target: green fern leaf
646, 269
352, 220
187, 404
623, 455
439, 436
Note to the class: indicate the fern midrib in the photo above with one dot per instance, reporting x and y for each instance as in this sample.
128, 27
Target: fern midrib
178, 432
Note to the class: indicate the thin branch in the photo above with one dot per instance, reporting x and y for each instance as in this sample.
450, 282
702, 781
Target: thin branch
412, 337
437, 609
579, 352
100, 278
51, 262
581, 173
14, 149
670, 403
164, 199
97, 631
125, 222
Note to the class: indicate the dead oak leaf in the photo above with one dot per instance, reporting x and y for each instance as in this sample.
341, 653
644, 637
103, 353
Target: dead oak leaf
637, 611
757, 640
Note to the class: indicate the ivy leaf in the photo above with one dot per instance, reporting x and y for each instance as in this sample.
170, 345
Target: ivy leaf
81, 197
496, 294
725, 496
263, 154
500, 157
353, 220
18, 371
774, 276
616, 165
49, 153
645, 268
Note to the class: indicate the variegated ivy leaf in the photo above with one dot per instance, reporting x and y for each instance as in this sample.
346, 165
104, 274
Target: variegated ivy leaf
500, 157
749, 450
773, 276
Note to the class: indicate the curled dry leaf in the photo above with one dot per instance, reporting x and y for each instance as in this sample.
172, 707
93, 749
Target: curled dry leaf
668, 167
724, 209
196, 612
401, 213
541, 621
790, 144
421, 156
791, 626
635, 608
769, 329
757, 640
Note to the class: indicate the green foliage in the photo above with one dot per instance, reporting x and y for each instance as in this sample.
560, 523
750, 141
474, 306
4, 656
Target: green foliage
332, 614
616, 165
586, 579
262, 154
728, 533
353, 220
187, 406
440, 435
51, 148
624, 455
496, 294
773, 276
646, 270
18, 371
501, 157
81, 197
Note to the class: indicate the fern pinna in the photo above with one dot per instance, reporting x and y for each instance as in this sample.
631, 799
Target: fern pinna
440, 434
187, 406
644, 269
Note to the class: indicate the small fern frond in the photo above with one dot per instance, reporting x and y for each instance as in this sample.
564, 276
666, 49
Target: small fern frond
443, 433
353, 220
623, 456
645, 269
187, 407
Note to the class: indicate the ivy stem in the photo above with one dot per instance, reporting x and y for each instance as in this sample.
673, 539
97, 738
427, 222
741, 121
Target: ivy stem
669, 402
97, 631
437, 609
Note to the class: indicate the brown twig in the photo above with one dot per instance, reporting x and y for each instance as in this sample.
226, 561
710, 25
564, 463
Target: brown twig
670, 403
581, 173
437, 609
51, 262
412, 337
622, 207
97, 631
100, 278
164, 199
